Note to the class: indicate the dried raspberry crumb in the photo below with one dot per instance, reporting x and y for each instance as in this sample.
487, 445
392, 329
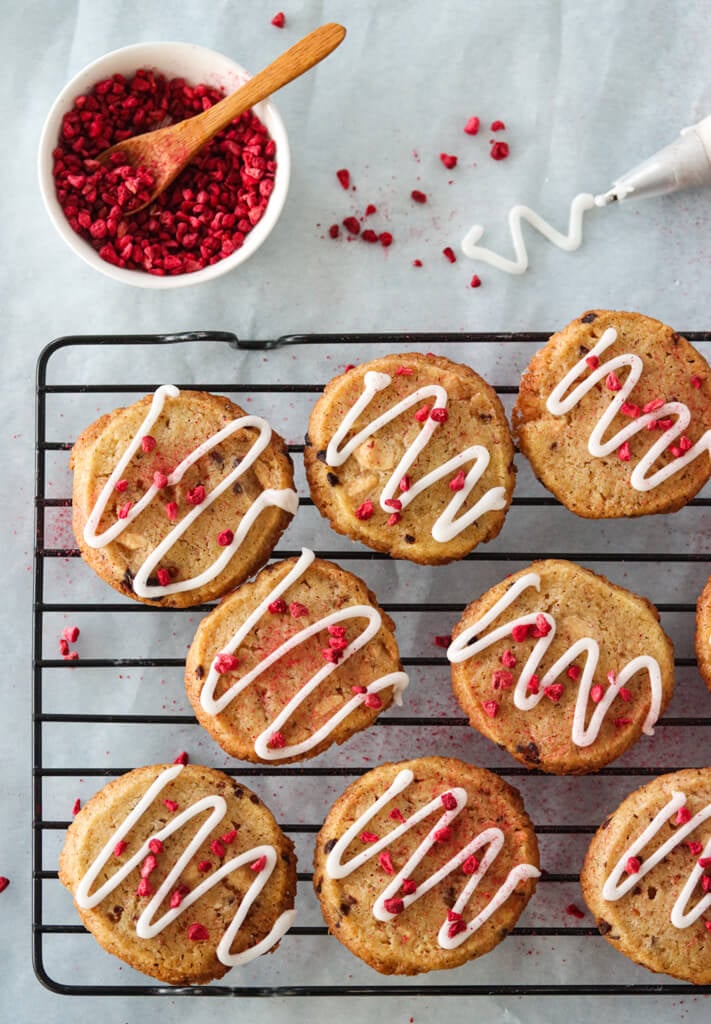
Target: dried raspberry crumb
344, 177
204, 866
472, 126
217, 848
475, 281
696, 382
71, 633
63, 647
439, 415
149, 865
163, 577
370, 210
369, 236
365, 510
417, 196
334, 231
508, 659
394, 905
455, 928
554, 692
278, 607
349, 367
707, 925
652, 406
337, 631
229, 837
623, 452
351, 225
297, 610
449, 801
499, 151
633, 865
77, 806
593, 362
613, 382
417, 263
704, 862
386, 862
368, 837
630, 409
171, 510
502, 679
453, 915
596, 694
448, 253
520, 632
442, 835
443, 641
682, 816
685, 444
405, 484
160, 480
386, 239
533, 685
279, 20
331, 655
449, 160
121, 486
625, 694
393, 503
470, 865
120, 847
171, 805
422, 414
196, 495
575, 911
225, 538
491, 708
373, 701
676, 452
144, 888
543, 626
72, 656
337, 643
396, 815
124, 510
4, 882
457, 482
178, 895
404, 371
573, 672
276, 741
694, 848
408, 886
259, 864
155, 846
198, 933
394, 519
497, 126
358, 689
225, 662
148, 443
619, 723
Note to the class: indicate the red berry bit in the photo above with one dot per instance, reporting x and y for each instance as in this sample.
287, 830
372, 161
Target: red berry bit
71, 634
704, 862
470, 865
144, 888
171, 805
554, 692
457, 482
502, 679
613, 382
259, 864
334, 231
652, 406
160, 480
443, 641
575, 911
394, 905
508, 659
448, 160
498, 126
351, 225
124, 510
344, 177
475, 281
148, 443
499, 151
682, 816
696, 382
393, 503
596, 694
198, 933
204, 866
276, 741
394, 519
372, 700
491, 708
694, 848
439, 415
623, 452
171, 510
121, 486
297, 610
472, 126
225, 538
182, 758
404, 371
63, 647
156, 845
625, 694
278, 607
120, 847
593, 362
417, 196
370, 210
77, 806
620, 723
369, 236
417, 263
163, 576
149, 865
405, 484
4, 882
385, 239
224, 663
279, 20
442, 835
368, 837
331, 655
422, 414
178, 895
633, 865
520, 632
365, 510
396, 815
573, 672
631, 410
229, 837
542, 627
196, 495
448, 253
456, 927
218, 849
408, 886
533, 685
386, 862
449, 801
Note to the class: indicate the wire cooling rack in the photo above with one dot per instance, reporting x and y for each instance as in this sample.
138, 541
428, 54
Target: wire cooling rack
132, 658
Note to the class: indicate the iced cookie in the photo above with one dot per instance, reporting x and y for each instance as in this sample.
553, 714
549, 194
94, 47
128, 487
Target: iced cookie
181, 872
298, 659
179, 498
561, 667
703, 633
412, 455
647, 876
425, 864
614, 414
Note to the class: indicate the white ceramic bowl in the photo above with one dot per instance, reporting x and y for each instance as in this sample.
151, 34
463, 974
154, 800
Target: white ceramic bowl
195, 64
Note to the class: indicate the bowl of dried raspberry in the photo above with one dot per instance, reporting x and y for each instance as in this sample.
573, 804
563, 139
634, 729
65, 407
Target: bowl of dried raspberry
217, 212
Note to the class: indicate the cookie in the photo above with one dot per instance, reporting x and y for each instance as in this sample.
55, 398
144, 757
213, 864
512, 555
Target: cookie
703, 633
425, 864
647, 876
177, 893
179, 498
561, 667
298, 659
614, 415
412, 455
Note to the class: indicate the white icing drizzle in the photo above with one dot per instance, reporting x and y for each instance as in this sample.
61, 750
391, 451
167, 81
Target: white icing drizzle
491, 838
286, 499
461, 650
446, 527
613, 888
213, 706
558, 405
146, 926
569, 242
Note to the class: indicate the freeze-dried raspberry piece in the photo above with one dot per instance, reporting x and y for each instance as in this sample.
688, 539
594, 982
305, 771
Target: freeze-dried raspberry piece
449, 160
497, 126
418, 196
344, 177
448, 253
351, 225
472, 126
499, 151
279, 20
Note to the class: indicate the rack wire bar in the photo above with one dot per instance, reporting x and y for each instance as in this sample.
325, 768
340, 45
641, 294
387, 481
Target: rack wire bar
44, 872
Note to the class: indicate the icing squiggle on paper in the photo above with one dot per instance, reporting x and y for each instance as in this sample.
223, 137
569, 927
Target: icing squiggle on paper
213, 706
284, 499
613, 888
491, 838
461, 650
569, 242
146, 926
446, 527
558, 405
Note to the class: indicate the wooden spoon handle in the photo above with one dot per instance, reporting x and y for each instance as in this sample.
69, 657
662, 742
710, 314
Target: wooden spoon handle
294, 62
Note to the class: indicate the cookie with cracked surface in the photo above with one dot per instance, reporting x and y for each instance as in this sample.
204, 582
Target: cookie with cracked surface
425, 864
177, 893
703, 633
647, 876
180, 497
614, 415
298, 659
411, 454
561, 667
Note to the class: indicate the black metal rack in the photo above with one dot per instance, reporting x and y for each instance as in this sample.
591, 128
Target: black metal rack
43, 666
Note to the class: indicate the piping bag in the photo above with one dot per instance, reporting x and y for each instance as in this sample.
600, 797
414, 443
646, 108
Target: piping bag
685, 163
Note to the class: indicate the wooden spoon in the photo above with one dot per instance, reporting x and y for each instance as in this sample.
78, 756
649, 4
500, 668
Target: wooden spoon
165, 152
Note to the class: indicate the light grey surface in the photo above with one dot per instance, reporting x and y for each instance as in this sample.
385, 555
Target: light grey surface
586, 90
